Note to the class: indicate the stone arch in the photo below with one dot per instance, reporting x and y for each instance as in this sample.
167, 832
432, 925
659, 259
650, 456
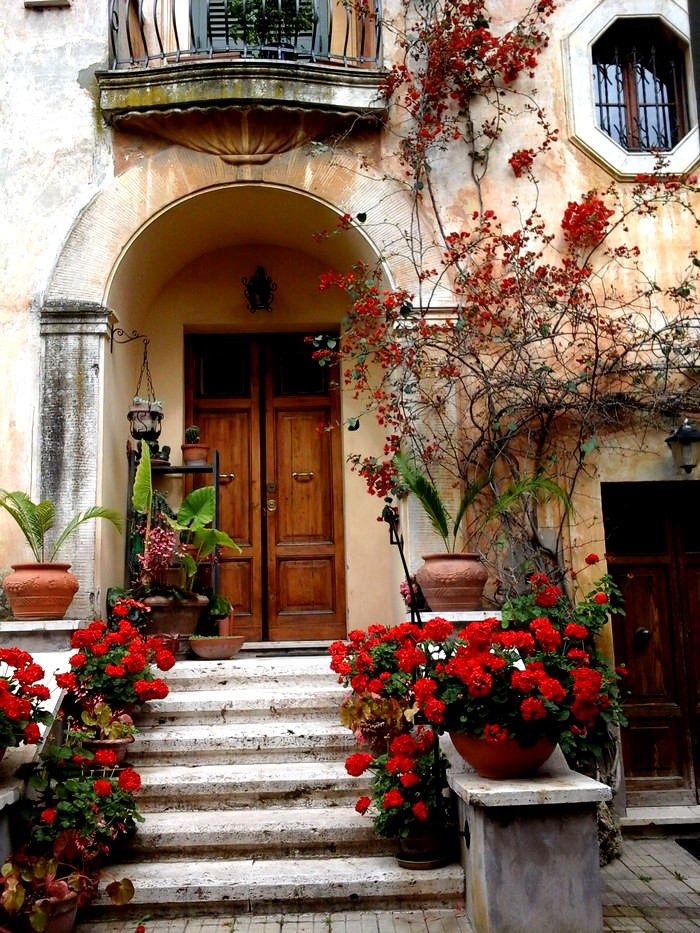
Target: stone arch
74, 319
114, 217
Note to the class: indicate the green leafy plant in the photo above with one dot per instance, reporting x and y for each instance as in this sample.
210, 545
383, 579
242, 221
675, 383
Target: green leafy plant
513, 497
98, 806
101, 722
35, 519
260, 22
196, 512
374, 719
30, 882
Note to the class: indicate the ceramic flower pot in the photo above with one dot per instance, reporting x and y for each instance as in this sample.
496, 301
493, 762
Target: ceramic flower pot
502, 760
60, 913
218, 648
118, 746
170, 616
425, 848
40, 591
451, 582
195, 454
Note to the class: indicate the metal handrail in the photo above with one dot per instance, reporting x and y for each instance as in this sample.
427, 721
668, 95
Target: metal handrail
148, 33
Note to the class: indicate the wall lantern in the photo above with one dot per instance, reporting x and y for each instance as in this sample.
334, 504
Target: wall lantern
685, 446
259, 291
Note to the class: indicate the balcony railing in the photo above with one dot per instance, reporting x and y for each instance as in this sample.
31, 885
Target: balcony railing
149, 33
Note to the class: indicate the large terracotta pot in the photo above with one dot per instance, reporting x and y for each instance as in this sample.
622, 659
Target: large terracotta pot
452, 582
502, 760
170, 616
60, 913
118, 746
40, 591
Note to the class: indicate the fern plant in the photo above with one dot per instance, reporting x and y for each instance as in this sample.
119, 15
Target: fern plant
448, 528
35, 519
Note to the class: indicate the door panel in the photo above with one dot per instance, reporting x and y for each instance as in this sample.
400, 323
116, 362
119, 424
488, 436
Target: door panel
654, 639
305, 559
260, 401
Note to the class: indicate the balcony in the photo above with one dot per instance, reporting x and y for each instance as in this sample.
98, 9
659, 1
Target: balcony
171, 56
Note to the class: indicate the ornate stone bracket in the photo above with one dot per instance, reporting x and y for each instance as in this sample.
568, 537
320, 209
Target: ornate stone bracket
239, 136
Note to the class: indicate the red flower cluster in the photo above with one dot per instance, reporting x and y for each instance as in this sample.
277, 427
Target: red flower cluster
586, 224
20, 698
115, 667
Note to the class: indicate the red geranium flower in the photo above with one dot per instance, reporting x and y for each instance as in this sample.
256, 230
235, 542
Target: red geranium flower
392, 798
102, 787
48, 816
129, 780
600, 598
31, 733
592, 559
362, 805
78, 660
420, 811
358, 763
105, 757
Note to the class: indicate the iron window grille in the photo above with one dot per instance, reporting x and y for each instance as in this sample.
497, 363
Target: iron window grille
640, 86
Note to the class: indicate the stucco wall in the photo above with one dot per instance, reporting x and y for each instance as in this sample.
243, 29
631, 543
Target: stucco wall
59, 171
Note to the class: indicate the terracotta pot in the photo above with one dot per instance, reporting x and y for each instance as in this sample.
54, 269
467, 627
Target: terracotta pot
195, 453
452, 581
502, 760
170, 616
40, 591
217, 649
118, 746
60, 913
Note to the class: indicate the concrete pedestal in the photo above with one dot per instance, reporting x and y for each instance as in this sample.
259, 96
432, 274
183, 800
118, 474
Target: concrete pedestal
530, 851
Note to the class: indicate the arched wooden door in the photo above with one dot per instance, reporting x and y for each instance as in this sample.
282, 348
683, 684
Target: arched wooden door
261, 401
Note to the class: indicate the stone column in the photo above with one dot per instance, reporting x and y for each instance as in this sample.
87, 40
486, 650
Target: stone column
72, 333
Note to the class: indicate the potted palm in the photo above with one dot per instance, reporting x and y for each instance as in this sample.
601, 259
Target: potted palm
44, 589
455, 579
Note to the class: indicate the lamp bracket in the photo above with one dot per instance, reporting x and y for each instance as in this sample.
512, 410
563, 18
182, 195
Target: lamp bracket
117, 335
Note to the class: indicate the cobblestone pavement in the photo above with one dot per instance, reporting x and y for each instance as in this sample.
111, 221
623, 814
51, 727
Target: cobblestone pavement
653, 888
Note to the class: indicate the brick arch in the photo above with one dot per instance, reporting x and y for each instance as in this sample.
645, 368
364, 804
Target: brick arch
108, 225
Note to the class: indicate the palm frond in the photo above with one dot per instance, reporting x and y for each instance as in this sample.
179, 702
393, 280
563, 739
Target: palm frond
96, 511
427, 494
46, 513
525, 488
24, 511
470, 494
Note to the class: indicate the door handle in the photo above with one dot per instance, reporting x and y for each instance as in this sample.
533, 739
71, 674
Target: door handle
306, 477
642, 637
226, 478
271, 505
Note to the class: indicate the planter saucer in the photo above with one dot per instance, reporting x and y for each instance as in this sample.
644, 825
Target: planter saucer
423, 864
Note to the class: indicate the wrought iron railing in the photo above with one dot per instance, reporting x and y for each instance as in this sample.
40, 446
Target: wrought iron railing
149, 33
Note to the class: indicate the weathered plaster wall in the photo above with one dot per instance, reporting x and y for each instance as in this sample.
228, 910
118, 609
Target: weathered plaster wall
55, 155
59, 156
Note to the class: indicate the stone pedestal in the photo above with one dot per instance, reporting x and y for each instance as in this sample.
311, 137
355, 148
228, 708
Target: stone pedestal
530, 851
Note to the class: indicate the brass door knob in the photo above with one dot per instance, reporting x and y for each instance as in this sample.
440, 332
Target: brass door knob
225, 478
271, 505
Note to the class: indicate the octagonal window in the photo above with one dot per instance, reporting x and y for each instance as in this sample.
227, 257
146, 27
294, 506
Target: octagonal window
639, 85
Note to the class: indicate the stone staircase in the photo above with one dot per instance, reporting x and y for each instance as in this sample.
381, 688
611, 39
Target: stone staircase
248, 805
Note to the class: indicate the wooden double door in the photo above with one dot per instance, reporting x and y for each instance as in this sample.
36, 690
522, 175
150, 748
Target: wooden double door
653, 550
263, 402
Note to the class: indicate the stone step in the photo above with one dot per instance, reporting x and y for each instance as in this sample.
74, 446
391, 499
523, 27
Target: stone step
185, 888
269, 833
243, 705
215, 787
233, 742
260, 672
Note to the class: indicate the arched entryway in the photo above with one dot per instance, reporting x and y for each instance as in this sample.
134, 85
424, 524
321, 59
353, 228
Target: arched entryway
176, 277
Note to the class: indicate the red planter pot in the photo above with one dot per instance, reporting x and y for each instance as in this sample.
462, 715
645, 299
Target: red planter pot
502, 760
40, 591
451, 582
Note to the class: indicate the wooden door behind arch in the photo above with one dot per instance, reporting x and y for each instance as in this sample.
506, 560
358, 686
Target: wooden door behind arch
260, 401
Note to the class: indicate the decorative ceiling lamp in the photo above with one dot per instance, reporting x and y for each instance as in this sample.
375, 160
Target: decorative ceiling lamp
685, 446
259, 291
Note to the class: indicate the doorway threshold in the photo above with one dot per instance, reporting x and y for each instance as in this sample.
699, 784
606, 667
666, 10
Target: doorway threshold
661, 821
282, 649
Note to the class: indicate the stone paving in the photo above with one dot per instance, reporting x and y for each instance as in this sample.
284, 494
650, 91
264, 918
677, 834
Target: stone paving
653, 888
